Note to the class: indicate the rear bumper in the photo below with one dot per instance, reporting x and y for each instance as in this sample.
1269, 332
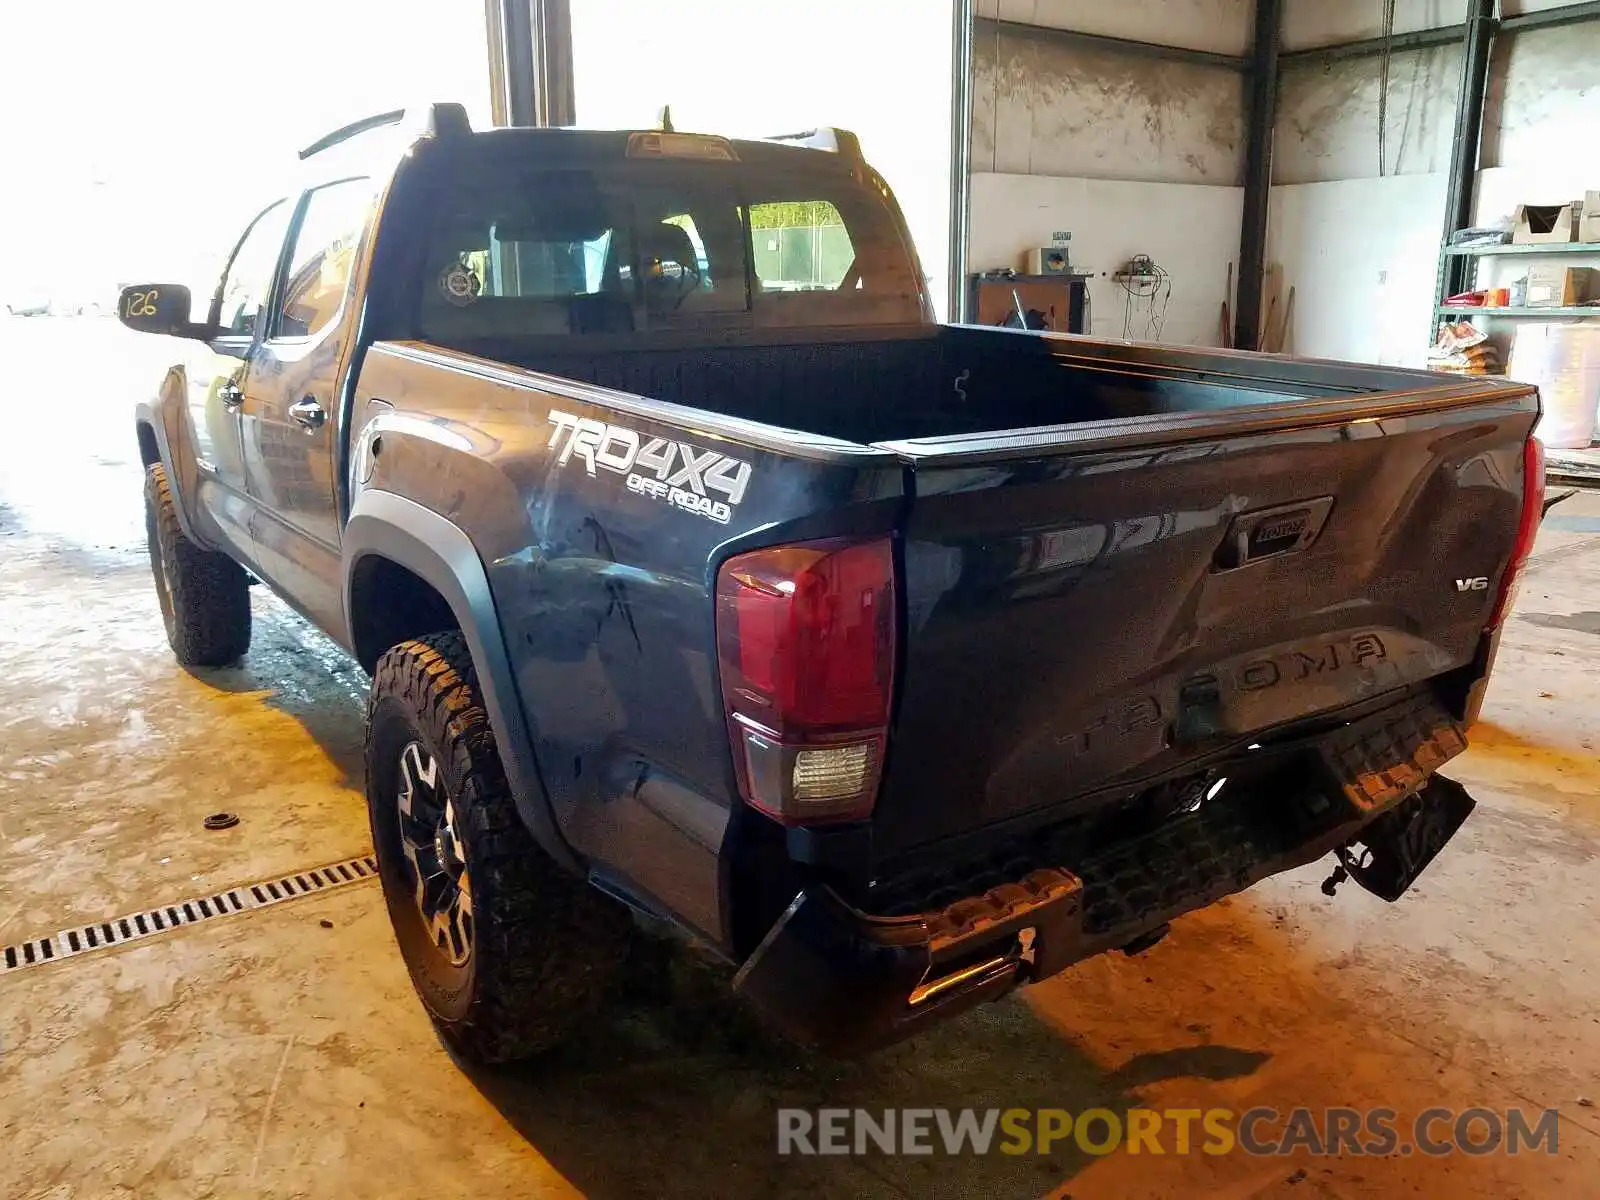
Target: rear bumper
848, 981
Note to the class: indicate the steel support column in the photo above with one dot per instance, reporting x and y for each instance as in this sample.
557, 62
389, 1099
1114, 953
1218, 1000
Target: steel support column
530, 62
494, 33
1477, 43
1258, 172
960, 160
555, 103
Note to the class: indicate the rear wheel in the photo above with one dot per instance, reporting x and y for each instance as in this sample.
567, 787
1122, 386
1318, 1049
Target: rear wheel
506, 951
204, 595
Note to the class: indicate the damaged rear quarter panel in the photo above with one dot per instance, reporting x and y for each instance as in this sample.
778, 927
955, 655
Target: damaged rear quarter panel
601, 531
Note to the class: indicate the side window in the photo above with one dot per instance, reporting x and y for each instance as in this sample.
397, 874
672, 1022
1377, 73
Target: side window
249, 276
800, 246
323, 257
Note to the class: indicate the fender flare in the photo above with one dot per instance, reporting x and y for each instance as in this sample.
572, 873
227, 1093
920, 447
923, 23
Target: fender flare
154, 413
439, 552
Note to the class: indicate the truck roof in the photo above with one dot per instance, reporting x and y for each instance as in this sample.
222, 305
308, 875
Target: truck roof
376, 142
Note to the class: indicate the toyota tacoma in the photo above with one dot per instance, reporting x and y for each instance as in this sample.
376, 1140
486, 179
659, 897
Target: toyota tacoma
704, 578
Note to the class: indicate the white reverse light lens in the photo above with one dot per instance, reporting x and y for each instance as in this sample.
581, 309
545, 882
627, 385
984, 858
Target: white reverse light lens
827, 774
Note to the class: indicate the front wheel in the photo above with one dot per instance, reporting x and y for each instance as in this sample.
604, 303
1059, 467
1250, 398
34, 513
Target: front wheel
506, 951
204, 595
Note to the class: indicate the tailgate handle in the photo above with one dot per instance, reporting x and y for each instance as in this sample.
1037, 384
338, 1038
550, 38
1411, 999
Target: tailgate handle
1270, 532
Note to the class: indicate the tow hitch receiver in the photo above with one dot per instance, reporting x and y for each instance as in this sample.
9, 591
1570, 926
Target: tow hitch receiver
1392, 851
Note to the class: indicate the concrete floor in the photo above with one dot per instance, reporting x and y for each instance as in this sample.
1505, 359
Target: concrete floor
272, 1055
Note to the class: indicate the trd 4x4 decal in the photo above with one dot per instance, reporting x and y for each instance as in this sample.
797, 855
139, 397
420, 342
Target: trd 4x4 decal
674, 473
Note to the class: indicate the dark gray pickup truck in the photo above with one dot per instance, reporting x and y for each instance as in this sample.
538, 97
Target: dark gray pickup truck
703, 576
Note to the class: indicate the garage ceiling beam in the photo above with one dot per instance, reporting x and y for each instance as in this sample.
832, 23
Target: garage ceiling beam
1549, 18
1417, 39
1447, 35
1206, 58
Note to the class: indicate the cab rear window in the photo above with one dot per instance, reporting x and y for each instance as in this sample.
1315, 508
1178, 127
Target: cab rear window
656, 246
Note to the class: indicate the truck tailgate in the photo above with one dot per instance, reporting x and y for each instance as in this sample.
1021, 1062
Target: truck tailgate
1089, 611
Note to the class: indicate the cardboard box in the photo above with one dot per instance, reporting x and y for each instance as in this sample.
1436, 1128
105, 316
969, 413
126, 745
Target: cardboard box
1589, 223
1559, 287
1537, 223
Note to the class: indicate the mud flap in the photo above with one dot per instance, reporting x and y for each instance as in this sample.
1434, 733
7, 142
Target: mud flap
1392, 851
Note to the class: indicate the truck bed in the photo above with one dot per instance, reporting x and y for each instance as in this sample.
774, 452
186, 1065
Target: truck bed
945, 381
1082, 619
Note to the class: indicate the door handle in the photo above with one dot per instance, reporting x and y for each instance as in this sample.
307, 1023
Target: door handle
231, 395
308, 414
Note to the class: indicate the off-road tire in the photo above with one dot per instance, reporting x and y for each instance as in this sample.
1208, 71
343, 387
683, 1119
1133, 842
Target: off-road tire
545, 945
204, 595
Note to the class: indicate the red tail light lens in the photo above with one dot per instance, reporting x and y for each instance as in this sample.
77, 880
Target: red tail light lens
805, 642
1527, 527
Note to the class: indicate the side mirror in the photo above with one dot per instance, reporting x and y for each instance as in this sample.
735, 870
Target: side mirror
158, 308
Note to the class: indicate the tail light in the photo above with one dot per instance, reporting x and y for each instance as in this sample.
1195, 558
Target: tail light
805, 642
1527, 527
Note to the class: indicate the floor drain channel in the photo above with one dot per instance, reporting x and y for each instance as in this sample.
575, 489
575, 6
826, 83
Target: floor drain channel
121, 930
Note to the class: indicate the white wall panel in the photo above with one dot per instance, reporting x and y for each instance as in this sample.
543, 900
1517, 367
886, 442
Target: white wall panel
1192, 231
1362, 255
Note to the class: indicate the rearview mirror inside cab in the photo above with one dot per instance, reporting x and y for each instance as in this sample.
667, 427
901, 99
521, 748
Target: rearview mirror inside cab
157, 308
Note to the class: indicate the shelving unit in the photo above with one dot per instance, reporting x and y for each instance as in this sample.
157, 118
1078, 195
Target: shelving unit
1533, 248
1460, 268
1481, 310
1458, 272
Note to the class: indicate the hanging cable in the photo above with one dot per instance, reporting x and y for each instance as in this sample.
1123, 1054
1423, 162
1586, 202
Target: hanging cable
1383, 86
1147, 293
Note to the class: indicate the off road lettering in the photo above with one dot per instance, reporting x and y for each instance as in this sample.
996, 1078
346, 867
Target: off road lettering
671, 472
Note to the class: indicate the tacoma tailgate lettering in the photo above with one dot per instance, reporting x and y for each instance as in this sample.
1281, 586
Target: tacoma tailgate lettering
1205, 689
